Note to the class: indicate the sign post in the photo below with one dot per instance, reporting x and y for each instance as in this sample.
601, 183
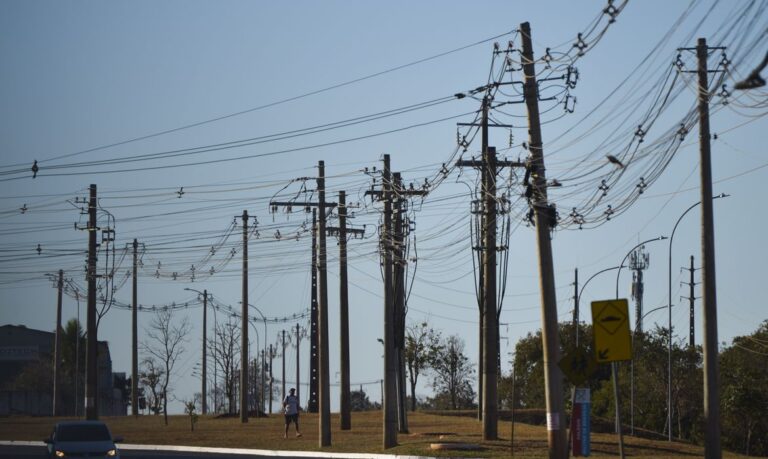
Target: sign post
610, 327
613, 343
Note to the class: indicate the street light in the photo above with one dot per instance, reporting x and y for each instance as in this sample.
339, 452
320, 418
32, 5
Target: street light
264, 318
255, 366
669, 317
204, 378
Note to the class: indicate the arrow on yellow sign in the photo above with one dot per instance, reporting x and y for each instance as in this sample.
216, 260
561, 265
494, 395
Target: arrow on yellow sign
610, 327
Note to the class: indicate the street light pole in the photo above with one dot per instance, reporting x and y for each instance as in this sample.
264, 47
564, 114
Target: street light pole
669, 316
204, 387
264, 318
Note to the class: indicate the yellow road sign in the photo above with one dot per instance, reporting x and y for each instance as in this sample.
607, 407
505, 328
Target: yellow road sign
610, 329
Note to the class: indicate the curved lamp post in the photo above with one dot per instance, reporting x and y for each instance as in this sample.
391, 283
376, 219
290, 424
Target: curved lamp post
204, 377
264, 318
669, 316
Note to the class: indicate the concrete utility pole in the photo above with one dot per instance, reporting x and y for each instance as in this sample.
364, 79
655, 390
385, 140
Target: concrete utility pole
313, 340
282, 386
324, 380
544, 216
691, 303
135, 335
91, 356
576, 305
298, 354
341, 231
489, 324
57, 347
389, 439
320, 397
204, 387
712, 448
398, 277
389, 244
344, 396
271, 356
244, 328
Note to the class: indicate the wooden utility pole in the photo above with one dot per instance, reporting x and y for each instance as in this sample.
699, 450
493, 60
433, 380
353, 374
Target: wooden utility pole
712, 448
135, 335
544, 216
91, 356
244, 328
57, 347
324, 379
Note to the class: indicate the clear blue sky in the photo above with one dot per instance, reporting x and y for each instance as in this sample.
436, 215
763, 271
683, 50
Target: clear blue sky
80, 75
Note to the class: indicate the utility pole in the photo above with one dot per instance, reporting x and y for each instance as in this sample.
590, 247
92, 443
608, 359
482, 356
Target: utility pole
271, 356
320, 399
91, 356
282, 388
57, 347
263, 370
324, 380
489, 324
389, 244
712, 447
691, 303
545, 219
344, 399
398, 265
244, 328
341, 231
204, 387
576, 305
313, 349
298, 378
389, 439
135, 336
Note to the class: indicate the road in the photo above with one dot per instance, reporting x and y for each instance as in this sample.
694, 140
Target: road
23, 452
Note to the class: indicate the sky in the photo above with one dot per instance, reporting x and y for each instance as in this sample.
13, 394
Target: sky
184, 114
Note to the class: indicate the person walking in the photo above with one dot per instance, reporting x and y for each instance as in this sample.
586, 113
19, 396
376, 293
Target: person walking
291, 408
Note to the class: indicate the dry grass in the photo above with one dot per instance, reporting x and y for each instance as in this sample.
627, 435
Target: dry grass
365, 436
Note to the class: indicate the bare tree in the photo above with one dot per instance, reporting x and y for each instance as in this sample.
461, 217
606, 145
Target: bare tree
151, 378
226, 353
422, 345
166, 344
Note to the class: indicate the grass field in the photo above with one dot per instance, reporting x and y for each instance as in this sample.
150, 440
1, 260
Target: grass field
365, 436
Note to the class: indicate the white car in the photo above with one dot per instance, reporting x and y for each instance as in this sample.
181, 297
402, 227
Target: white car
82, 439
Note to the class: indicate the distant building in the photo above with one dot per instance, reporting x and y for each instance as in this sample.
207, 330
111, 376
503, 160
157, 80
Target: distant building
28, 350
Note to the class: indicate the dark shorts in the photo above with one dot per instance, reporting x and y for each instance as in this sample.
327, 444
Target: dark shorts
291, 418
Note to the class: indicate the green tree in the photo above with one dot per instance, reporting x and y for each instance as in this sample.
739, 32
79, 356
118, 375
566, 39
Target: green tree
452, 375
422, 344
744, 402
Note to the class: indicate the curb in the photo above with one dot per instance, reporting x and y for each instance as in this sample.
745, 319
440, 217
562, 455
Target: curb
234, 451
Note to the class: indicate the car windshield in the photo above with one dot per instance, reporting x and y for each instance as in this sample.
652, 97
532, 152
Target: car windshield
83, 432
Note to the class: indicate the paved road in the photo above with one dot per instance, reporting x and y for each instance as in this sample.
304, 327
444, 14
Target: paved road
29, 452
